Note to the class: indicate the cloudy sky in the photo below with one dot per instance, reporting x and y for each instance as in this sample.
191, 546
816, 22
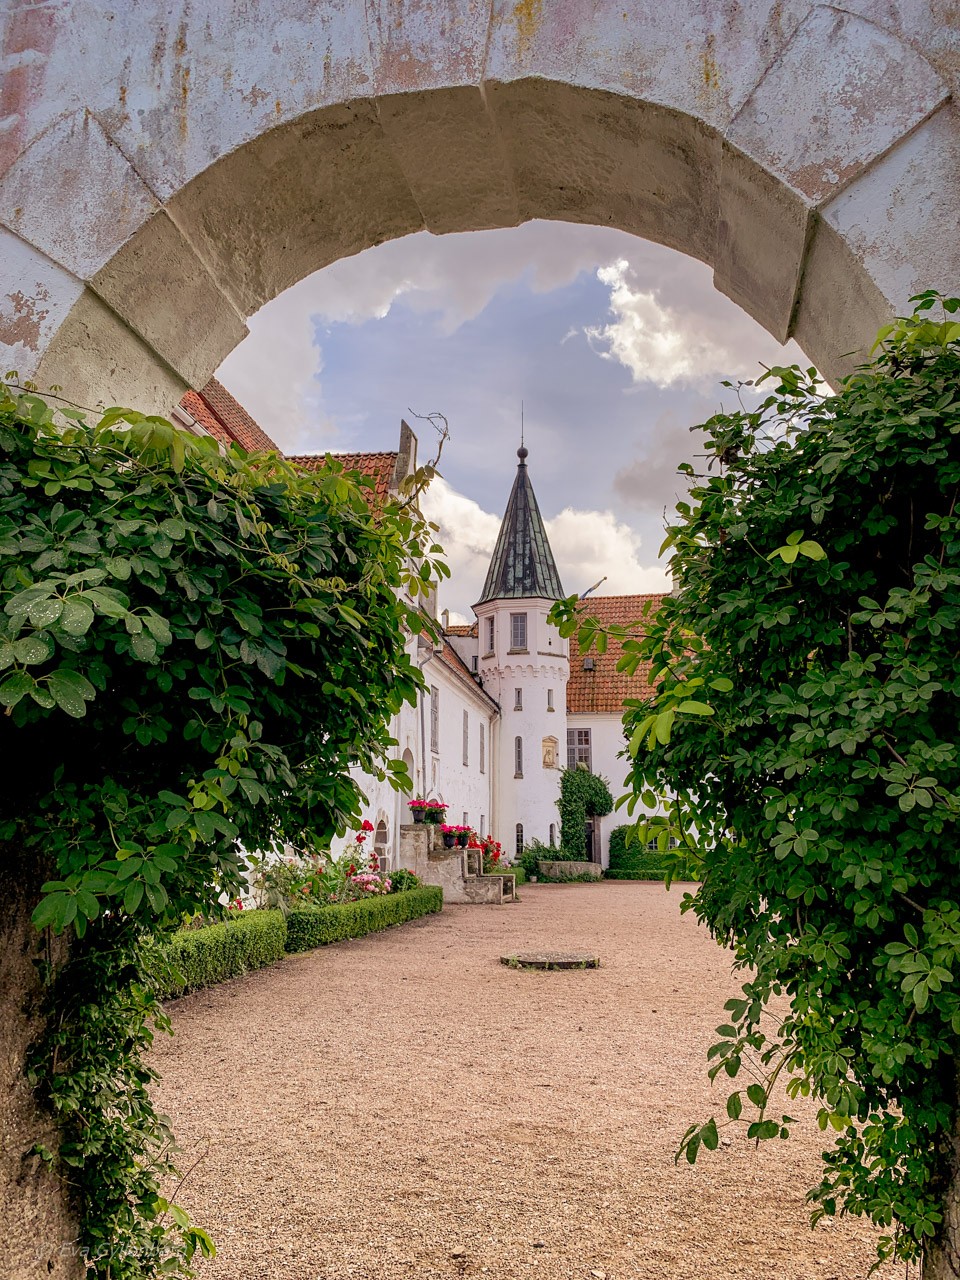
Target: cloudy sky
615, 346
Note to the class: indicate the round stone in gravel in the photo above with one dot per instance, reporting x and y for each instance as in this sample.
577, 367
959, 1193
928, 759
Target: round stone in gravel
551, 960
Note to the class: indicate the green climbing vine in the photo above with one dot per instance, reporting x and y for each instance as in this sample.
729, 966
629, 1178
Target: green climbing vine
583, 795
195, 648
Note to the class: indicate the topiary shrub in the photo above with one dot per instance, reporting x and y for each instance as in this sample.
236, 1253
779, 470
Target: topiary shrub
318, 926
196, 958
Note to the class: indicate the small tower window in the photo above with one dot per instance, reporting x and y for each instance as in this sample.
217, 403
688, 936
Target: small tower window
491, 623
519, 839
549, 699
518, 699
553, 835
518, 757
474, 663
518, 631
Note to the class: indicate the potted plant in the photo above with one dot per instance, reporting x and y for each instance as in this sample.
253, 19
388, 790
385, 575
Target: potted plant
449, 835
418, 808
463, 836
434, 811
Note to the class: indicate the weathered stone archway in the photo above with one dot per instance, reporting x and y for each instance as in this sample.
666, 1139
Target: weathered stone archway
164, 176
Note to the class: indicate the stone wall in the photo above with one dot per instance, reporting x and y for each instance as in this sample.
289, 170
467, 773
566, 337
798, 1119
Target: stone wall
165, 169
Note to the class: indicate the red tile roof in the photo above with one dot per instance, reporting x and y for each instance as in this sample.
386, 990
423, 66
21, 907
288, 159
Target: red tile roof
225, 418
461, 629
380, 467
450, 658
604, 688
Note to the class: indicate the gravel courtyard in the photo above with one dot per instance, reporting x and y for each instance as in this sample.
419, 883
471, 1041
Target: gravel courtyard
405, 1106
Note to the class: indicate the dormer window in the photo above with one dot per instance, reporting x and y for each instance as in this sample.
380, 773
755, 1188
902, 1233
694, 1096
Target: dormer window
518, 631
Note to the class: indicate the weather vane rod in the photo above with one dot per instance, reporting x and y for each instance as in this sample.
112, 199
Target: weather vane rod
521, 424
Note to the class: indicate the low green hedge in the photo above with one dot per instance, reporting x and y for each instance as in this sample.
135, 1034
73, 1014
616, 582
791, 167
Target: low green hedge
311, 927
516, 870
200, 957
637, 862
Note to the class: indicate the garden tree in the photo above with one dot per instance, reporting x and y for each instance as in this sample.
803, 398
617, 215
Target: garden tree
804, 742
583, 795
195, 648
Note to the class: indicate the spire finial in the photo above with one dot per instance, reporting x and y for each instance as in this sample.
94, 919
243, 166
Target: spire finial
522, 451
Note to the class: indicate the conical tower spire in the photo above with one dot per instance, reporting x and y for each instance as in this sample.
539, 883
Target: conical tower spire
523, 565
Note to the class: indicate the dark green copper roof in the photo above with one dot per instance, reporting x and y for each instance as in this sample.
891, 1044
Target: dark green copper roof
522, 564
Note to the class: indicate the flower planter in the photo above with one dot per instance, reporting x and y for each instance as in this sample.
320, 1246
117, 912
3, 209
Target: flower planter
462, 839
449, 841
417, 815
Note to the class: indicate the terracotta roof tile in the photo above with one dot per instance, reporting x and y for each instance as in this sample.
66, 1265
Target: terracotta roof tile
451, 659
461, 629
604, 689
225, 418
380, 467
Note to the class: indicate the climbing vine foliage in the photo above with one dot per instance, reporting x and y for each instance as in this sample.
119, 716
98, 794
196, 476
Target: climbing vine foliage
583, 795
804, 744
195, 648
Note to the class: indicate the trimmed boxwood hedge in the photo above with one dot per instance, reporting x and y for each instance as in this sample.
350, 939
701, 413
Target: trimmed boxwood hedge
196, 958
316, 926
636, 861
201, 957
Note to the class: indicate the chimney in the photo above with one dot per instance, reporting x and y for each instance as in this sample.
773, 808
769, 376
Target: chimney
445, 619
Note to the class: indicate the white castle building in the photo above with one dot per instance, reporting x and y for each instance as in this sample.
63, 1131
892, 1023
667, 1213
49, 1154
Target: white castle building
508, 703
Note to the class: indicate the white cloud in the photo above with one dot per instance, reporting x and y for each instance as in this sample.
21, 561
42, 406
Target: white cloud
587, 546
694, 339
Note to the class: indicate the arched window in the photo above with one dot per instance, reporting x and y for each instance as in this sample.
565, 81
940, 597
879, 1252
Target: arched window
519, 839
518, 757
380, 846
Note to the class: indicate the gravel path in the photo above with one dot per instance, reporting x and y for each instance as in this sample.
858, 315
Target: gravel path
405, 1106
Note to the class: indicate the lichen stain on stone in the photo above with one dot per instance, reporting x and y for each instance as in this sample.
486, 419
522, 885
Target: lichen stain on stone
527, 14
23, 325
710, 71
183, 76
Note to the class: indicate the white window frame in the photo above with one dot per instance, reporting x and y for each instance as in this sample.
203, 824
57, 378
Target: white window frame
518, 756
434, 719
518, 699
518, 633
579, 748
491, 634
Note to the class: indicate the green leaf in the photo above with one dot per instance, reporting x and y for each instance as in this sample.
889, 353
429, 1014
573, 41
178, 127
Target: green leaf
76, 617
696, 709
132, 896
15, 687
70, 691
734, 1106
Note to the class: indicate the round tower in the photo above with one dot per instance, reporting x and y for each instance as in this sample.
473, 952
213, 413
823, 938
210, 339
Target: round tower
524, 665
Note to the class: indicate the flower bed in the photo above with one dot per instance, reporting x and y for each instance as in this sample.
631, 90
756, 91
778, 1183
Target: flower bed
317, 926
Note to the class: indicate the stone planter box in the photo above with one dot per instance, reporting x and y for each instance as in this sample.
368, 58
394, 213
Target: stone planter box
563, 870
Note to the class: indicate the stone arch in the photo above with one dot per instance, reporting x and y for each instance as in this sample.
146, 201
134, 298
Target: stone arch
804, 151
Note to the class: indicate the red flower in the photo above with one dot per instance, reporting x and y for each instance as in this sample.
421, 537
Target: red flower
367, 826
360, 837
352, 871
